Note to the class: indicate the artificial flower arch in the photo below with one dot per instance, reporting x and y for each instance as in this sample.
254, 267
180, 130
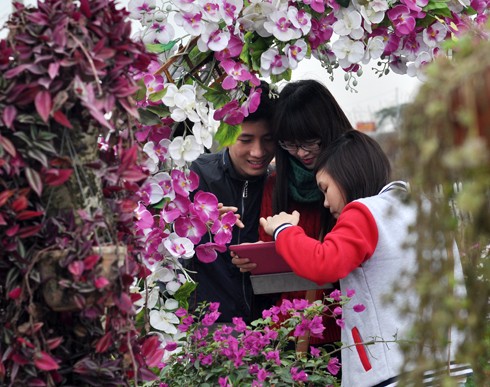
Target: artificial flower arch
193, 96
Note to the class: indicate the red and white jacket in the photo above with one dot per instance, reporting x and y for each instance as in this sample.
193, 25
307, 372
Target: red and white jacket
365, 251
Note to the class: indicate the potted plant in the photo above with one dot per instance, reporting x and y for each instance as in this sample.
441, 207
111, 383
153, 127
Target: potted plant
69, 168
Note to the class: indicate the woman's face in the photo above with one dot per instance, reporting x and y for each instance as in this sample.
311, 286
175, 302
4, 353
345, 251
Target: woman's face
306, 152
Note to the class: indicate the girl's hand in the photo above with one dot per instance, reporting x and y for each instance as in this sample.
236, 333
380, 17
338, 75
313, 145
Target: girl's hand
225, 209
243, 264
272, 222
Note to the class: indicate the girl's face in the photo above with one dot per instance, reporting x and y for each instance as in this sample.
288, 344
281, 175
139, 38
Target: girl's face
306, 152
334, 196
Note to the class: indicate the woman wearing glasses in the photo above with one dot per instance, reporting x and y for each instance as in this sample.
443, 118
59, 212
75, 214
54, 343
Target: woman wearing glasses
307, 119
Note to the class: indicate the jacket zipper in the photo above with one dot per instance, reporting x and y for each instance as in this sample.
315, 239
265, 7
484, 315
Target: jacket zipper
244, 196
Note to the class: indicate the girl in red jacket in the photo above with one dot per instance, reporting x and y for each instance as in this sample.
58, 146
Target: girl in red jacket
366, 251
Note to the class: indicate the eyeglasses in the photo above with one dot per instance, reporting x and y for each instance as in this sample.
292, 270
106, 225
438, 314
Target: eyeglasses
308, 147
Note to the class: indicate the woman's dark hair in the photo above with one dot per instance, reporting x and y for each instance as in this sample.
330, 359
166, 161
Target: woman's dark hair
306, 110
357, 164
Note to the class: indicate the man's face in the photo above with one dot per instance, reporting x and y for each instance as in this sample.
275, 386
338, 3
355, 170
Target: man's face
253, 150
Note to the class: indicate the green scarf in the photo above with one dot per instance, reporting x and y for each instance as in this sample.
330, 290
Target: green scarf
302, 183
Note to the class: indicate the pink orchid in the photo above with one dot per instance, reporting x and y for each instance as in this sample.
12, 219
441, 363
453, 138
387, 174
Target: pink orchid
170, 212
164, 181
183, 182
237, 72
223, 227
191, 227
316, 5
415, 5
230, 113
251, 104
207, 252
153, 83
402, 19
144, 218
232, 50
205, 206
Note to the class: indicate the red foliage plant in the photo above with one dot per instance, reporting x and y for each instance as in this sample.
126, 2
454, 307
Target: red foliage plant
69, 170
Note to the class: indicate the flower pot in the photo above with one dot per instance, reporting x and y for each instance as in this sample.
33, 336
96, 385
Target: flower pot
64, 293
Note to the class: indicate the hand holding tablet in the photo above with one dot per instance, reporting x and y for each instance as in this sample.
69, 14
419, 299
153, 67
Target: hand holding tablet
264, 255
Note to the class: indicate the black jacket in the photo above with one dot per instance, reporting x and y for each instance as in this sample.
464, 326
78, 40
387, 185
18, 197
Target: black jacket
221, 281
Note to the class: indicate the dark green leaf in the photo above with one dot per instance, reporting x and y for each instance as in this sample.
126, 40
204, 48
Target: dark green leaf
148, 118
24, 138
343, 3
217, 96
161, 110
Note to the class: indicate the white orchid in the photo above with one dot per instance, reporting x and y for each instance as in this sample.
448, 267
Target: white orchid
348, 51
213, 38
184, 150
279, 25
349, 23
272, 62
164, 321
296, 52
179, 247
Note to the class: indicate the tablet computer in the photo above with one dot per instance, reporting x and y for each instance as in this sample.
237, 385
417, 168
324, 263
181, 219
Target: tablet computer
264, 255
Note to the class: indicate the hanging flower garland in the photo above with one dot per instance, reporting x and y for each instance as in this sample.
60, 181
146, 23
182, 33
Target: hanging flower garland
193, 97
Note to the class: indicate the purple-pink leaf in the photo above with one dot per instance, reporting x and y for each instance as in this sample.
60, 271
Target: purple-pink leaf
45, 362
61, 118
53, 69
16, 70
43, 104
9, 114
34, 180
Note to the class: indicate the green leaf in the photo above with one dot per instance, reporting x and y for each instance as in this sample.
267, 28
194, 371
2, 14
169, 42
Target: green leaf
140, 95
160, 110
158, 48
286, 75
39, 156
154, 97
24, 138
46, 136
148, 118
343, 3
227, 134
217, 96
182, 295
44, 145
34, 180
256, 49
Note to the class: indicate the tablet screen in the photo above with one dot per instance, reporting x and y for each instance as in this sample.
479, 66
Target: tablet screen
264, 255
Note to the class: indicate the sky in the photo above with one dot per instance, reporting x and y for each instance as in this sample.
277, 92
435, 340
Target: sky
373, 93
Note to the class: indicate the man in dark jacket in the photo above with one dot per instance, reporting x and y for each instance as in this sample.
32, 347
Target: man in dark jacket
236, 175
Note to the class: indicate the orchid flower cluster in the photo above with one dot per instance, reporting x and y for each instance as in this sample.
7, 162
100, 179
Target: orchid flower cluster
270, 37
257, 355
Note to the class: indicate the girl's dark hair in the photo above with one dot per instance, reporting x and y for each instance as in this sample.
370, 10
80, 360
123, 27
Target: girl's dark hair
357, 164
306, 110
